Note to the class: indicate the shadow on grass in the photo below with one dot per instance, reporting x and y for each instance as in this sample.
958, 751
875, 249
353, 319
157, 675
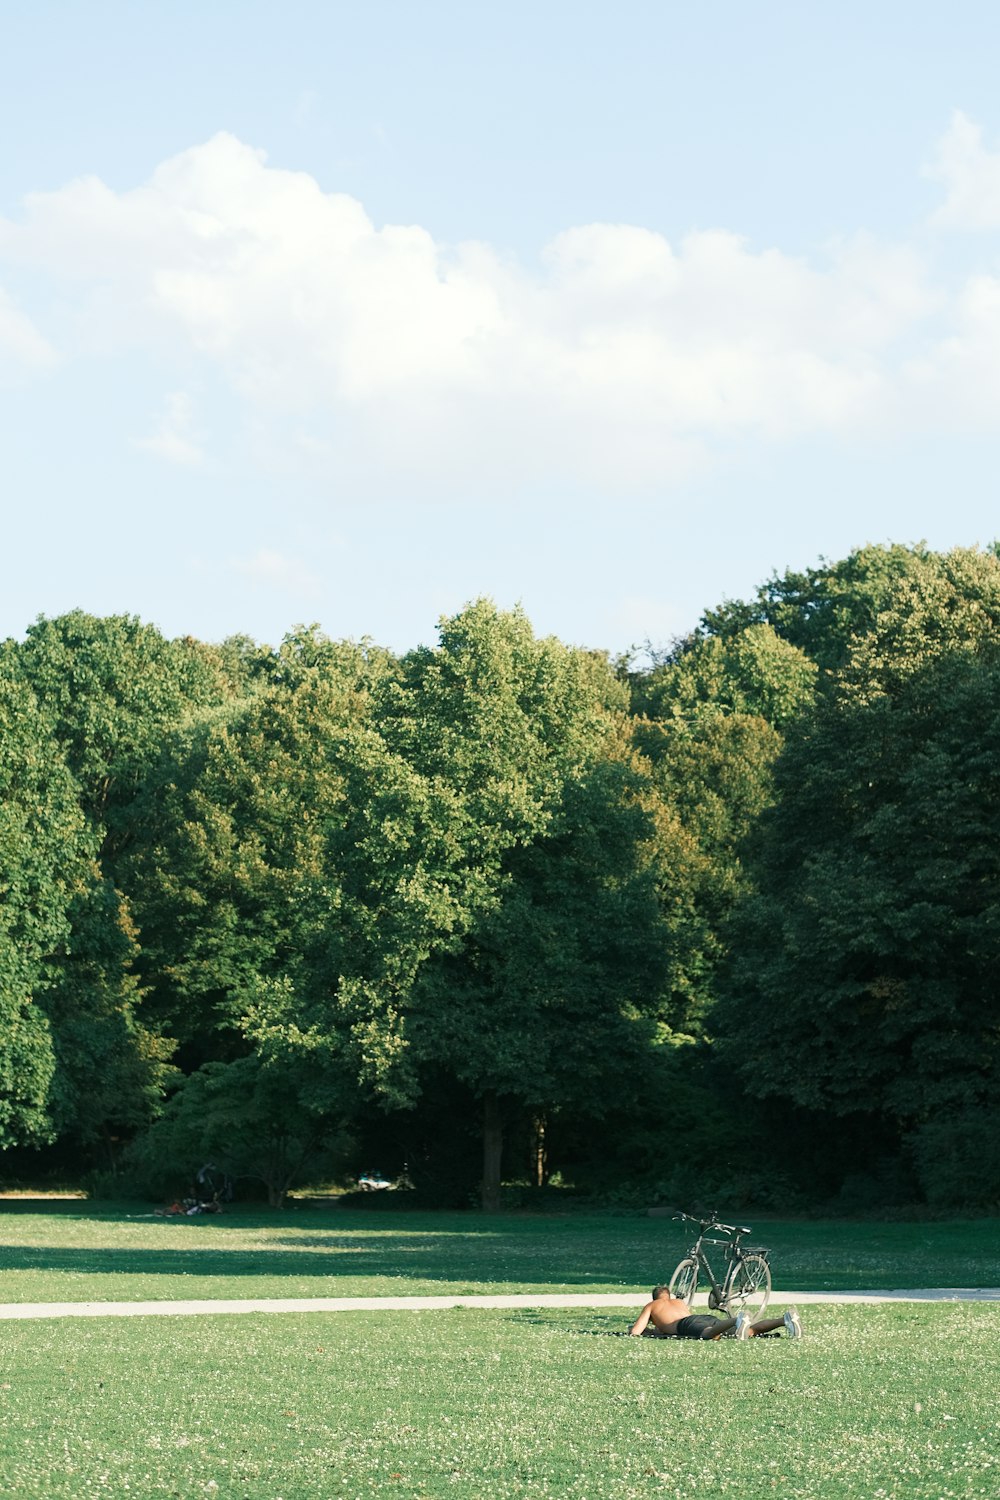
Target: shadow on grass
330, 1252
463, 1256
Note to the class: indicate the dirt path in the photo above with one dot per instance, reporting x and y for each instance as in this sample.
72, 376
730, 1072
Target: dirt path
635, 1299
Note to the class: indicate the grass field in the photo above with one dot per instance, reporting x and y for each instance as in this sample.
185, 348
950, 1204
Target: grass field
887, 1403
87, 1253
891, 1403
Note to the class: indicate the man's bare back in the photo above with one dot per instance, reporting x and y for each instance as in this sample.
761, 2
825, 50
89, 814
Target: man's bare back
664, 1312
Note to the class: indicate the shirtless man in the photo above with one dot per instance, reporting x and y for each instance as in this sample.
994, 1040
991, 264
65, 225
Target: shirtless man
673, 1319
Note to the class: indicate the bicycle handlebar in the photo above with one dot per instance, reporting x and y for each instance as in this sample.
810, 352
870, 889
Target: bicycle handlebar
714, 1223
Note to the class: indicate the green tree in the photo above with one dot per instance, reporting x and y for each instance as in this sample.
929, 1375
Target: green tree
247, 1119
111, 1071
553, 997
236, 871
41, 841
826, 610
110, 689
287, 878
481, 867
753, 672
713, 777
714, 716
863, 971
553, 975
107, 690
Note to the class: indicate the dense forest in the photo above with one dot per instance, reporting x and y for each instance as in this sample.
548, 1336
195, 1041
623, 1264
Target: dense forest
507, 915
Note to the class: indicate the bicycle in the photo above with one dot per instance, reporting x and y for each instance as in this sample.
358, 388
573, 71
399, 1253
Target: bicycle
746, 1285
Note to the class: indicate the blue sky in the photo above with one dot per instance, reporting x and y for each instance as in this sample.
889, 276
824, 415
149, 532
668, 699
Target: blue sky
351, 313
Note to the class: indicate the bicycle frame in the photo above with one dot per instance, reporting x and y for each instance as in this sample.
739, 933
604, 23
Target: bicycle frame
700, 1254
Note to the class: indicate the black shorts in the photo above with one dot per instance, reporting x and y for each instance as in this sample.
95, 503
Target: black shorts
695, 1326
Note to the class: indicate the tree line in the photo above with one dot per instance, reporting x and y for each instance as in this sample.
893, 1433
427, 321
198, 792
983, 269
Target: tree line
503, 909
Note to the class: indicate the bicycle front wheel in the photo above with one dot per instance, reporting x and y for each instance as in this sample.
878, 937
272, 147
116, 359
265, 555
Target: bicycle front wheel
684, 1281
748, 1287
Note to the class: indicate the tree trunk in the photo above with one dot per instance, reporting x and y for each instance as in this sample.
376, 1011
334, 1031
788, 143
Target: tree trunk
492, 1153
539, 1153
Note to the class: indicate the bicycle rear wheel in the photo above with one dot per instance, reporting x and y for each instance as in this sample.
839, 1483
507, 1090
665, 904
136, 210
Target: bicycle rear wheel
684, 1281
748, 1287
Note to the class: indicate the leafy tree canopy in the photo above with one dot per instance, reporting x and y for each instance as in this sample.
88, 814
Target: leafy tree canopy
753, 671
826, 609
111, 689
863, 969
43, 853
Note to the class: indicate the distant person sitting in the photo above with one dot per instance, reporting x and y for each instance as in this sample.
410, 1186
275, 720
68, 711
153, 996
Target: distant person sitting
668, 1317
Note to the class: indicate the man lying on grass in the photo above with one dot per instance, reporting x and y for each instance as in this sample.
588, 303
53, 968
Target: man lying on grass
668, 1317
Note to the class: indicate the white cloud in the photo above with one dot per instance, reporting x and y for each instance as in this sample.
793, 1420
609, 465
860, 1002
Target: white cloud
957, 382
23, 349
273, 570
622, 359
971, 178
174, 437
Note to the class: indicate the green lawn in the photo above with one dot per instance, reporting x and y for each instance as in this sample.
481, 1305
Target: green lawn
873, 1404
888, 1403
99, 1252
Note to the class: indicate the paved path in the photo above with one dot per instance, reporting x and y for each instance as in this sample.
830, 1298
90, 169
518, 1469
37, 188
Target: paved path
635, 1299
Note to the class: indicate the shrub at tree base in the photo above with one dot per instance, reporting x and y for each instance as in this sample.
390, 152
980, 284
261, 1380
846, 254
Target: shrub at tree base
247, 1120
957, 1158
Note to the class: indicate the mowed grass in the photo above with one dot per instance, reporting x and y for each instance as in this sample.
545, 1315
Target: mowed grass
120, 1253
873, 1404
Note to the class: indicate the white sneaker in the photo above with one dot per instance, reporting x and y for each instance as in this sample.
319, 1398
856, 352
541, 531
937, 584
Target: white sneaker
742, 1329
793, 1324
